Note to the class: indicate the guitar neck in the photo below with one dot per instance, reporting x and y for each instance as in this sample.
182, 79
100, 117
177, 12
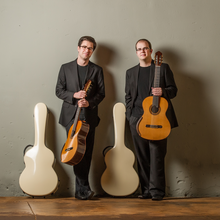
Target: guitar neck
76, 120
156, 85
86, 88
157, 77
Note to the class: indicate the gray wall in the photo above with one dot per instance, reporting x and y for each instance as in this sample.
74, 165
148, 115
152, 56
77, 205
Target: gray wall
38, 36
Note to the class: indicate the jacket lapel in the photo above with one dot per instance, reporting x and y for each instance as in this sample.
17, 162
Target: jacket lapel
74, 71
151, 79
135, 78
89, 72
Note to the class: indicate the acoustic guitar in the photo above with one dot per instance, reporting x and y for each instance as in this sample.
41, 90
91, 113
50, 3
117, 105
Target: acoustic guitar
39, 178
75, 146
154, 125
120, 177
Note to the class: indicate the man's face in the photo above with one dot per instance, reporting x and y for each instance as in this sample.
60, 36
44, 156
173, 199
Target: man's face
85, 50
143, 51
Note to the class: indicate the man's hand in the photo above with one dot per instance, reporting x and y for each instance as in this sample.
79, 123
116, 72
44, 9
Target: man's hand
83, 103
80, 95
157, 91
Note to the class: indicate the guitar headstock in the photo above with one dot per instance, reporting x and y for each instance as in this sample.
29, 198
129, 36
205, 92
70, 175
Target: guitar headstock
158, 58
87, 85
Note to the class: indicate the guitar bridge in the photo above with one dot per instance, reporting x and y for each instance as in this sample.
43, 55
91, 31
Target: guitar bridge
154, 126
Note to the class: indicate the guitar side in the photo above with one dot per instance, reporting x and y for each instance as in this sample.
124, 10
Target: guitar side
154, 126
75, 147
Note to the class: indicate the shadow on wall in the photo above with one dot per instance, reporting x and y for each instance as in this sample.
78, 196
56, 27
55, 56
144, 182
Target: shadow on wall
192, 163
104, 132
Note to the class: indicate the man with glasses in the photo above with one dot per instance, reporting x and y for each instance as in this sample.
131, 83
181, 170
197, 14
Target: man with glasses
71, 81
139, 85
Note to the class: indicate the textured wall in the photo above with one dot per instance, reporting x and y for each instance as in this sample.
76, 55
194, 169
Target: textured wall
38, 36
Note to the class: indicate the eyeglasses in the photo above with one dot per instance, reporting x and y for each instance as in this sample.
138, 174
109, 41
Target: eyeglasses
85, 47
144, 49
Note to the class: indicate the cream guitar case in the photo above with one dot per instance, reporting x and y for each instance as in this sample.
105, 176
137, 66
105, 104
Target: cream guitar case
39, 178
120, 177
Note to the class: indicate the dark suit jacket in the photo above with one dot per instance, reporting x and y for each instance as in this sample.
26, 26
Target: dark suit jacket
167, 84
68, 84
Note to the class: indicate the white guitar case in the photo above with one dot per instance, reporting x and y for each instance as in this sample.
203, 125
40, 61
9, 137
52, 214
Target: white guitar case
39, 178
119, 178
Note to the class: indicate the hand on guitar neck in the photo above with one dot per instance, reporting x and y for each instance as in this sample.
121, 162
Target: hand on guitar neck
83, 103
81, 95
157, 91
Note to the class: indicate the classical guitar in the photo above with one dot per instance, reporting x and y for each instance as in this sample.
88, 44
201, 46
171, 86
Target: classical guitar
120, 177
75, 146
39, 178
154, 125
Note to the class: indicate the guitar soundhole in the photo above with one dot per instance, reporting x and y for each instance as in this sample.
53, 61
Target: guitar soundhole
154, 110
69, 149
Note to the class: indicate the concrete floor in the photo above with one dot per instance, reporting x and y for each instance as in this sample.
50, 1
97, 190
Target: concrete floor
25, 208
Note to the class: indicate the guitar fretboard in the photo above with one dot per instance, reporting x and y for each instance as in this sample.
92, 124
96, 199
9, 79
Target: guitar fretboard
75, 121
156, 84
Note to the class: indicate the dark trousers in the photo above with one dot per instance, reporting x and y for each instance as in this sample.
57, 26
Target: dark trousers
150, 160
81, 169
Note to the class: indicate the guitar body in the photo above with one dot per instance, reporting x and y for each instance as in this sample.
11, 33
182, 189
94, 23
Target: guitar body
39, 177
119, 178
154, 125
75, 147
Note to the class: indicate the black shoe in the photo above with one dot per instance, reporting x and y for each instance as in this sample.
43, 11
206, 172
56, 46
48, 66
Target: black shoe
157, 198
85, 195
90, 194
80, 196
145, 196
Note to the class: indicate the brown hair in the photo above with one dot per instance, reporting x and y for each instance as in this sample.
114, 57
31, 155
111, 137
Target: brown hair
149, 43
88, 38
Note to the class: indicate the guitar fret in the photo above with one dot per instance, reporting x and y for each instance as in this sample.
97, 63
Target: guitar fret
157, 76
156, 85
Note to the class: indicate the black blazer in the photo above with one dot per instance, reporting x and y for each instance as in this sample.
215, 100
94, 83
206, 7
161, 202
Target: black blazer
167, 84
68, 84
